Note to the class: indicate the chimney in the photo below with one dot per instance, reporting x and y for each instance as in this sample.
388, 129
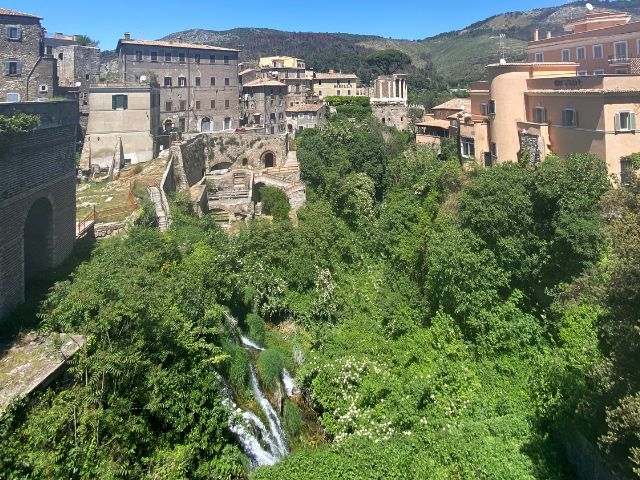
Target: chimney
127, 36
536, 35
549, 35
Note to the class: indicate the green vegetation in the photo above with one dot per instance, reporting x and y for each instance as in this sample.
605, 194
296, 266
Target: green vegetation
270, 366
274, 202
388, 61
19, 123
86, 41
255, 325
441, 323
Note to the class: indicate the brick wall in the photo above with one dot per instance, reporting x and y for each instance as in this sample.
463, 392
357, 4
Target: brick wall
33, 166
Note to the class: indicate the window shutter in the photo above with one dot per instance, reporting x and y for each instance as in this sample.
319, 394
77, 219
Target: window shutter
19, 33
6, 68
575, 118
113, 102
632, 121
19, 68
125, 103
618, 122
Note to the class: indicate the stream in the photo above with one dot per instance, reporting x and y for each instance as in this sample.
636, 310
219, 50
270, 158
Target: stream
263, 444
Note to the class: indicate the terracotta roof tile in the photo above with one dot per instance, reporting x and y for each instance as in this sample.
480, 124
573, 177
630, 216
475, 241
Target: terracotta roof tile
13, 13
305, 107
463, 104
264, 82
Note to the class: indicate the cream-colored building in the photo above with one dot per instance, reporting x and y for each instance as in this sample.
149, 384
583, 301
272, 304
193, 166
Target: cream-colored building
536, 109
333, 84
124, 121
281, 62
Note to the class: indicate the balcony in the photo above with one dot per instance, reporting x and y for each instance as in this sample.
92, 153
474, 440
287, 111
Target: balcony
619, 61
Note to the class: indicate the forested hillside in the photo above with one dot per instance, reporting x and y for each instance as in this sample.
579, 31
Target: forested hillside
440, 323
457, 57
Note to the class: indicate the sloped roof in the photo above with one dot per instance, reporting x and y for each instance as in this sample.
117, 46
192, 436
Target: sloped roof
244, 72
434, 122
264, 82
13, 13
165, 43
463, 104
305, 107
329, 76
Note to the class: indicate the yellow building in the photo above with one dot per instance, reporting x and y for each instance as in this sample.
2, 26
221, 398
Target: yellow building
281, 62
334, 84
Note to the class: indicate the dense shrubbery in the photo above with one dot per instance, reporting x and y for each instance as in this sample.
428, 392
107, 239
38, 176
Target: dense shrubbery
274, 202
455, 323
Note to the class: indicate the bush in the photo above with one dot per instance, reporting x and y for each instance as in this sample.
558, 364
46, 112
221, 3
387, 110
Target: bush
274, 203
292, 419
137, 169
270, 366
238, 370
255, 325
20, 123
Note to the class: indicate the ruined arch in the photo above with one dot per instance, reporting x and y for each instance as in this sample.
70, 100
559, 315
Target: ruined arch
168, 125
38, 238
268, 159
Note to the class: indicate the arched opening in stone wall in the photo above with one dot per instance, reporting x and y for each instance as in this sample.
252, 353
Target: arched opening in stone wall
290, 128
221, 166
245, 162
255, 194
168, 125
268, 160
38, 239
205, 124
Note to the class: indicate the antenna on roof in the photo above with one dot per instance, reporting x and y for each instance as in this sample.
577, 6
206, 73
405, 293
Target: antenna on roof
502, 45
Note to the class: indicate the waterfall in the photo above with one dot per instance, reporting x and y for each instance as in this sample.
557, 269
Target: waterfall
263, 445
248, 343
289, 384
272, 417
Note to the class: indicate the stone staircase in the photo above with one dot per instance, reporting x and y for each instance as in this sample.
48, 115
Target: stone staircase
161, 215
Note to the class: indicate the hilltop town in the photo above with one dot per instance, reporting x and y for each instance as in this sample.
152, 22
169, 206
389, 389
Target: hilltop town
259, 262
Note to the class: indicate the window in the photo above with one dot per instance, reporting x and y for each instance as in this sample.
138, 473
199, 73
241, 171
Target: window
197, 58
494, 150
569, 117
197, 81
61, 56
620, 50
119, 102
213, 104
212, 59
626, 171
582, 73
13, 97
539, 57
319, 93
598, 52
566, 55
226, 82
182, 81
338, 93
197, 104
181, 57
598, 72
226, 104
539, 115
622, 71
168, 106
492, 107
581, 53
14, 33
167, 81
468, 147
183, 105
167, 56
49, 50
138, 56
212, 81
226, 59
625, 121
483, 109
349, 93
154, 57
12, 67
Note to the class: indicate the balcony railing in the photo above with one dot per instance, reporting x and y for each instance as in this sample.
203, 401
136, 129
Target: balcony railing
613, 60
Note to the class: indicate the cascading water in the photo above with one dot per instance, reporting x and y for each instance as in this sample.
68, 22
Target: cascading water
263, 446
289, 384
248, 343
272, 417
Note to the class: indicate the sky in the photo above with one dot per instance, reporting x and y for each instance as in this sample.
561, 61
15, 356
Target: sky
106, 21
